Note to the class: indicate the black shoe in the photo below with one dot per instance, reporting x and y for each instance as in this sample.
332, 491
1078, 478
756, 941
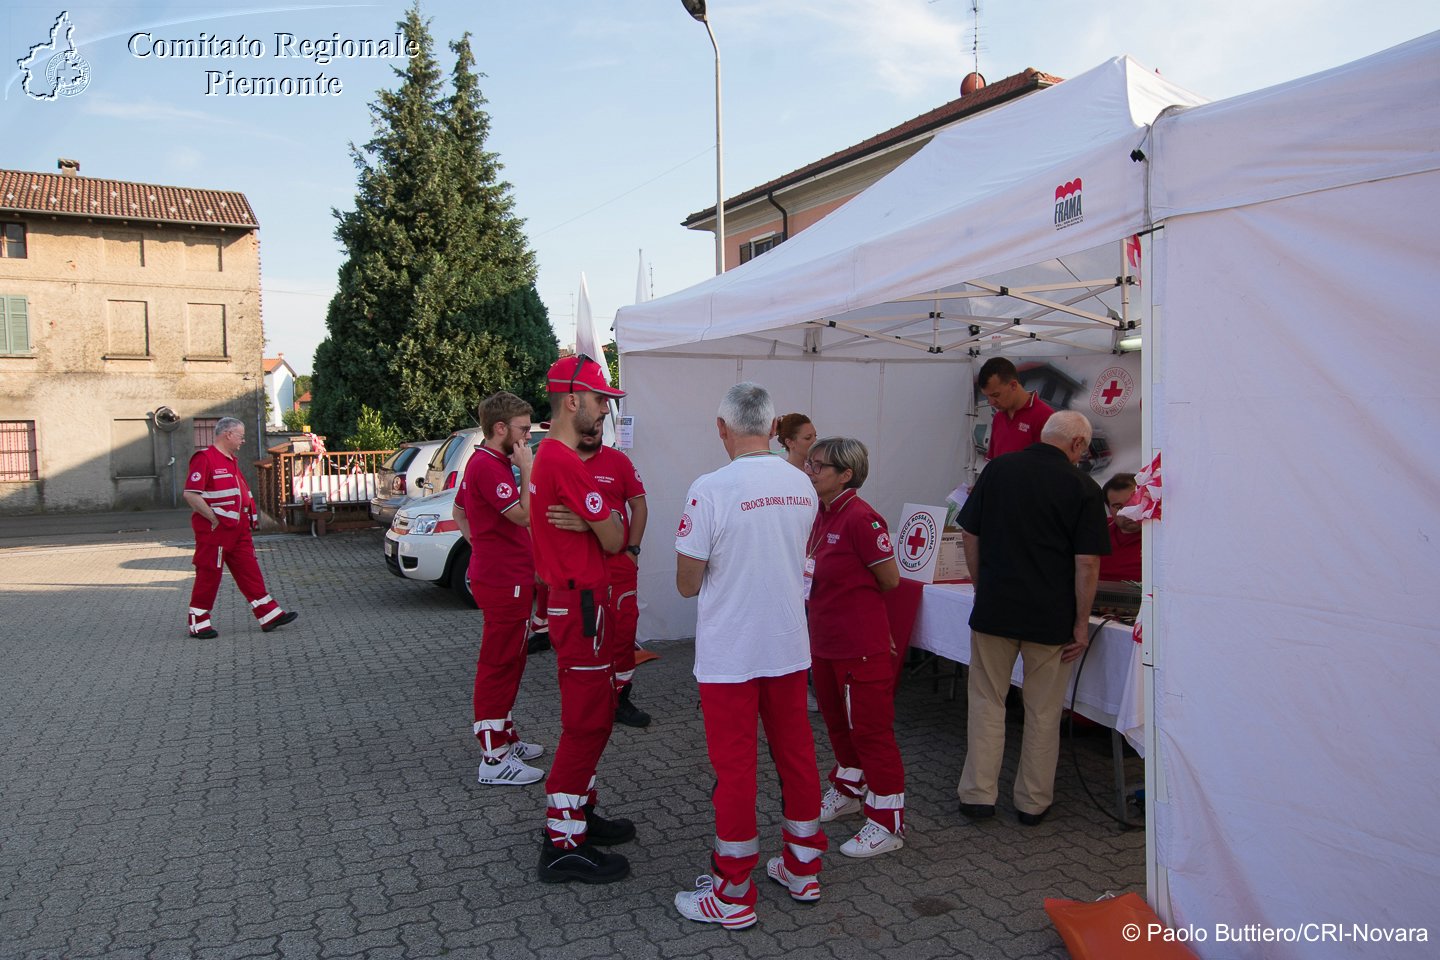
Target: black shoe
604, 832
538, 642
289, 616
977, 811
584, 863
209, 633
1032, 819
629, 714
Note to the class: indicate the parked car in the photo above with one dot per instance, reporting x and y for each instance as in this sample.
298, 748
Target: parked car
447, 463
397, 481
424, 543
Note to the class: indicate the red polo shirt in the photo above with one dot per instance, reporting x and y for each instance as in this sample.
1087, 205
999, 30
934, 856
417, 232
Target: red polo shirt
847, 611
1012, 432
1123, 562
499, 548
566, 560
618, 479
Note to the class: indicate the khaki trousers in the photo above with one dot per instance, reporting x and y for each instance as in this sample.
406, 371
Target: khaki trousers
992, 660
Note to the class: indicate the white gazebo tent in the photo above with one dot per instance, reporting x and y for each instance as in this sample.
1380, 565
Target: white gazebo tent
1290, 378
865, 320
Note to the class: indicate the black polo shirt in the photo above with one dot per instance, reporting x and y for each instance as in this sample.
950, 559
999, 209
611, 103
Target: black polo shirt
1033, 512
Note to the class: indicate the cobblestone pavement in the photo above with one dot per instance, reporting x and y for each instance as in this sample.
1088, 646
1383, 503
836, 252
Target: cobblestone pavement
311, 792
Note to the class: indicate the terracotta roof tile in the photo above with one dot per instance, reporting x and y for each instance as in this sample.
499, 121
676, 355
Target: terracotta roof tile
943, 115
53, 193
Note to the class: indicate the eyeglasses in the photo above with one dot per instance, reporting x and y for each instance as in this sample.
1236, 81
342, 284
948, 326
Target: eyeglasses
525, 429
815, 466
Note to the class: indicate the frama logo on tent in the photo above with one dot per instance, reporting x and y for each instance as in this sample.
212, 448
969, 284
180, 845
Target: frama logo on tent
1067, 204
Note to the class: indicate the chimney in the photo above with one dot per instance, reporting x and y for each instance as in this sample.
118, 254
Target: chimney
68, 168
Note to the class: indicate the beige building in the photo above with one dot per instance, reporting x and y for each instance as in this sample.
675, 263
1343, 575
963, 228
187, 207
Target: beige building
761, 217
129, 323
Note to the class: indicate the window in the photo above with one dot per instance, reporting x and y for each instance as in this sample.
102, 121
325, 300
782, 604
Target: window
129, 328
12, 241
753, 248
14, 326
205, 431
18, 459
205, 330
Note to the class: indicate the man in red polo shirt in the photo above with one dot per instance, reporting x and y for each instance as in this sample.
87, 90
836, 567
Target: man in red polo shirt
1123, 562
624, 493
572, 565
1019, 414
493, 515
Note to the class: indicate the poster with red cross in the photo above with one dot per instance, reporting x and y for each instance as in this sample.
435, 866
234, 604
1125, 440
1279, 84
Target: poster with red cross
917, 541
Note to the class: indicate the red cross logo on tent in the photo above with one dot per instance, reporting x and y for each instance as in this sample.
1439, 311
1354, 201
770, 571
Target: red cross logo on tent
1111, 392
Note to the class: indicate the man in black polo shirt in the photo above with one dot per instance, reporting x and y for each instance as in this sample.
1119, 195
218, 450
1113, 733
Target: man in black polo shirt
1034, 533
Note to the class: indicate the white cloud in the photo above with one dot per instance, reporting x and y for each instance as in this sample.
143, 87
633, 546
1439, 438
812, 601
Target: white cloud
907, 46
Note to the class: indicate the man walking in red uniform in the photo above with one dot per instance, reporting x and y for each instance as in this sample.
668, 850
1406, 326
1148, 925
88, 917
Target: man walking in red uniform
624, 493
572, 565
493, 514
741, 547
223, 514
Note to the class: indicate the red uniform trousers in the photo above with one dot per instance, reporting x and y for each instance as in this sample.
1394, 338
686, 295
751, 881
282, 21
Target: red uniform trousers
227, 547
623, 609
856, 698
587, 711
730, 710
500, 664
540, 620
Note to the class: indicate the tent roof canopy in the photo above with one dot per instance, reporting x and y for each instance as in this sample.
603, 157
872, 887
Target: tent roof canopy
872, 273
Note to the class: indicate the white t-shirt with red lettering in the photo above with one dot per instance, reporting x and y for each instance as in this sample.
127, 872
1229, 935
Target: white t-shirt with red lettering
748, 521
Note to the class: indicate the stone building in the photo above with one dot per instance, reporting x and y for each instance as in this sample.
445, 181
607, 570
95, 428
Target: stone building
129, 323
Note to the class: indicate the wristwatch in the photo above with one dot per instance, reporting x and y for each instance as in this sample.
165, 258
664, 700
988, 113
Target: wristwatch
633, 549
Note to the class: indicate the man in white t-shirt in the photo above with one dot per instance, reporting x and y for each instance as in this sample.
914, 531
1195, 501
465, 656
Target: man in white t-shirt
741, 548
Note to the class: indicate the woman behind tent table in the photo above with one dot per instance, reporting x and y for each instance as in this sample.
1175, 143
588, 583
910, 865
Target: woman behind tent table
795, 433
849, 563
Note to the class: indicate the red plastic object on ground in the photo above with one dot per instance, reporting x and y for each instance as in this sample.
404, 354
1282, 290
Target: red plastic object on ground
1118, 928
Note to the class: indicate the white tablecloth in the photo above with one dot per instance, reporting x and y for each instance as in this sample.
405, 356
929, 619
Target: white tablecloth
1111, 687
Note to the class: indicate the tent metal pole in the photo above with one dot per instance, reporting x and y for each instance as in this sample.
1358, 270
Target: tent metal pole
1039, 302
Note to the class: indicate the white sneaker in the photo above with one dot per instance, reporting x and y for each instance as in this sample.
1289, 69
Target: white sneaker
871, 841
702, 905
804, 889
526, 751
836, 804
511, 770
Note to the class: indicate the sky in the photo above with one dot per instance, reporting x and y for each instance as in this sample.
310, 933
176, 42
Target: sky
602, 111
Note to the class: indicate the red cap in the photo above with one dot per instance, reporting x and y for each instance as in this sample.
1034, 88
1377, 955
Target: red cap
569, 374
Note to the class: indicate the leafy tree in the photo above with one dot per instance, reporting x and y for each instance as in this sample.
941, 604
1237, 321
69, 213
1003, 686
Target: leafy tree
295, 420
436, 306
373, 433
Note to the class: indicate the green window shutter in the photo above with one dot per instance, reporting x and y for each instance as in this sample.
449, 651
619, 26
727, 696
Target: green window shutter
17, 326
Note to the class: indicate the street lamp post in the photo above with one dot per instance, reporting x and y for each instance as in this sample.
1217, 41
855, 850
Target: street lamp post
696, 9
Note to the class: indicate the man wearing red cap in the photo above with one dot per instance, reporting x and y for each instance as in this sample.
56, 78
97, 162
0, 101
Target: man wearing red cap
572, 565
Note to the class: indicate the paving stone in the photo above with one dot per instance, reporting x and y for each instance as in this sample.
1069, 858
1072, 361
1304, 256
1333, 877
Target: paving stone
311, 792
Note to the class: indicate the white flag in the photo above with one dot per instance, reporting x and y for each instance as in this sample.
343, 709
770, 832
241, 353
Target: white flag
642, 289
587, 336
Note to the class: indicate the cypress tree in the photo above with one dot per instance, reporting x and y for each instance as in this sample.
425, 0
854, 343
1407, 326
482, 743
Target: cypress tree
436, 306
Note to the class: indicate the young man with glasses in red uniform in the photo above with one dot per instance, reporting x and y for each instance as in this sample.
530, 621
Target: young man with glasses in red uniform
492, 511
